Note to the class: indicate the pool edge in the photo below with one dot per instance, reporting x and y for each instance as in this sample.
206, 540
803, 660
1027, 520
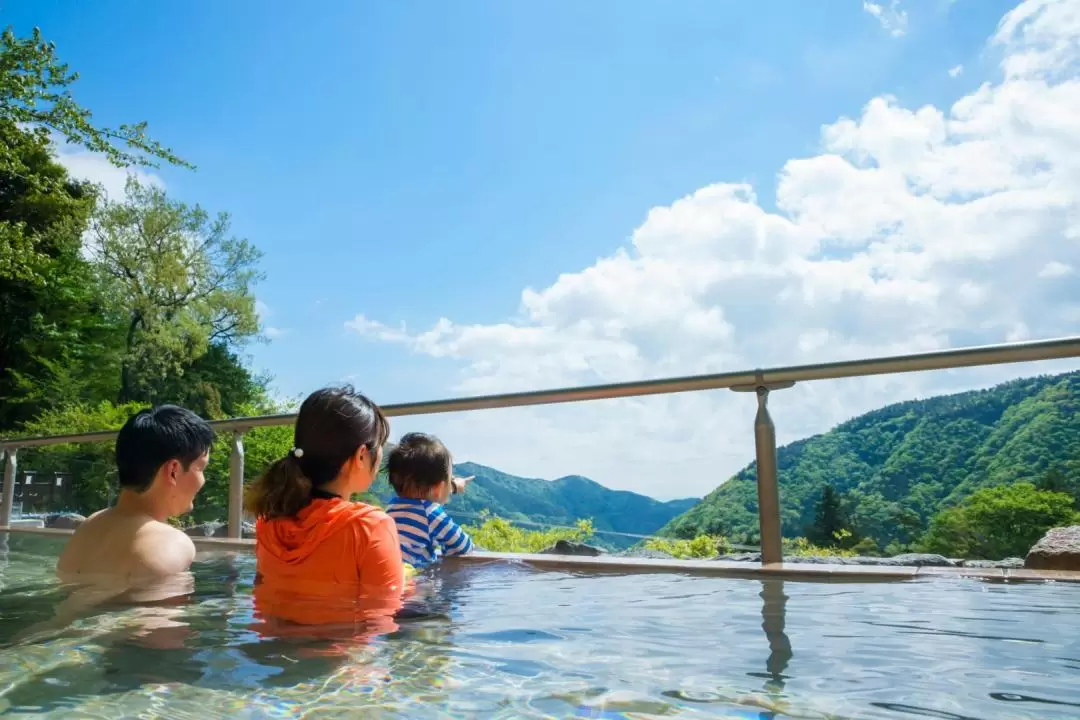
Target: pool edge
714, 568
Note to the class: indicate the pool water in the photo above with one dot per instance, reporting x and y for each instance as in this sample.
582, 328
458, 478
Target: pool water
506, 641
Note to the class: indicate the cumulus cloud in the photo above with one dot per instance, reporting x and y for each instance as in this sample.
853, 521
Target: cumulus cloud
913, 229
893, 20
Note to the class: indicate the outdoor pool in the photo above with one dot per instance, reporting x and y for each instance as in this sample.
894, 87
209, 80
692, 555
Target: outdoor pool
505, 640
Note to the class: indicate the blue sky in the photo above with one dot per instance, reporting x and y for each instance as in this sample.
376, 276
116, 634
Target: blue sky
411, 161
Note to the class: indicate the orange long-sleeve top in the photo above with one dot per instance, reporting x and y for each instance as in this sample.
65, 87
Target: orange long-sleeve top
335, 562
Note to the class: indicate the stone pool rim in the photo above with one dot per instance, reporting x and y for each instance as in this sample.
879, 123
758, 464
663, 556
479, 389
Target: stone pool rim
805, 572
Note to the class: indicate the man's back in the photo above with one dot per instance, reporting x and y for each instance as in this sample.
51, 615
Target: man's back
129, 545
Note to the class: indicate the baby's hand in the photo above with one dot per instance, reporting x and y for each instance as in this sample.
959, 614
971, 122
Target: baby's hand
460, 483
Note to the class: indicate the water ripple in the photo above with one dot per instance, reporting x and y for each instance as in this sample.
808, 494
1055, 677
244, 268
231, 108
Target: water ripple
510, 641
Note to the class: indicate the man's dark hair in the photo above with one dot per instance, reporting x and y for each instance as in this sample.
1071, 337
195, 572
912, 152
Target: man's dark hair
152, 437
416, 464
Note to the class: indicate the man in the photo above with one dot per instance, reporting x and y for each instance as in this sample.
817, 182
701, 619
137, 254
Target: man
161, 455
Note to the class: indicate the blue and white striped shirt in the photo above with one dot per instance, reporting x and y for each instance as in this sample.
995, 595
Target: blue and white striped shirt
426, 531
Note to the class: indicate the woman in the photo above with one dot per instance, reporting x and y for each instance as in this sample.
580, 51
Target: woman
322, 559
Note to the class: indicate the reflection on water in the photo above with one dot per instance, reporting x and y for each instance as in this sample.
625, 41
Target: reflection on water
506, 641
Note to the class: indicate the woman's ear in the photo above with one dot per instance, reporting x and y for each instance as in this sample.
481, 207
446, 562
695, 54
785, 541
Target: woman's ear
364, 458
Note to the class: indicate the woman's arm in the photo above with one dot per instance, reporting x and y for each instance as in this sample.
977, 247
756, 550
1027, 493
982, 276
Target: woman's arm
380, 561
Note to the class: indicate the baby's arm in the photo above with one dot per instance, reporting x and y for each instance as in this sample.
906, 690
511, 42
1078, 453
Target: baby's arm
448, 534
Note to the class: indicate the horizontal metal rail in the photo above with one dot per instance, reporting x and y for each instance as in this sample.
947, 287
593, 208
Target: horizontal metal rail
936, 360
761, 382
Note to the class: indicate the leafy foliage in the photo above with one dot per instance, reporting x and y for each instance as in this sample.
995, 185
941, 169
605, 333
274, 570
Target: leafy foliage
999, 522
498, 535
701, 547
895, 468
35, 91
801, 547
91, 465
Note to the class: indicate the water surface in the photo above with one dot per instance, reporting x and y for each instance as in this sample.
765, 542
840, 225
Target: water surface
505, 641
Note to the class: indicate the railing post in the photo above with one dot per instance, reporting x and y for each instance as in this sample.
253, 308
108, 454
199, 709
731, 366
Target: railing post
768, 486
236, 485
11, 464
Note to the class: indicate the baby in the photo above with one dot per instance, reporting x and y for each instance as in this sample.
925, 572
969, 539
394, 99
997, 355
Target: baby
421, 473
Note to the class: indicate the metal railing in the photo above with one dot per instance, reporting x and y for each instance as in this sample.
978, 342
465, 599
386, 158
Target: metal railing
759, 381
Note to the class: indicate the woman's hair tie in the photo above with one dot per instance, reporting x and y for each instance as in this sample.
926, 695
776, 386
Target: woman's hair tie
297, 452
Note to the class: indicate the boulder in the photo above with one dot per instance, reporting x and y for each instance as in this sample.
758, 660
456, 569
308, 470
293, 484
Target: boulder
64, 521
1006, 563
565, 547
1059, 549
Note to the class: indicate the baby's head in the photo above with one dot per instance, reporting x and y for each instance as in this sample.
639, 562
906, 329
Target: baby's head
420, 467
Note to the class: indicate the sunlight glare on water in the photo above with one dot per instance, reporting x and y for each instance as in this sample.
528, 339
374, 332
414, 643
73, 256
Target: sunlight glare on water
505, 641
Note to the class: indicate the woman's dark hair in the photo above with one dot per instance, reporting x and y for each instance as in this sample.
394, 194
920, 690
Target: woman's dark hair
416, 464
333, 424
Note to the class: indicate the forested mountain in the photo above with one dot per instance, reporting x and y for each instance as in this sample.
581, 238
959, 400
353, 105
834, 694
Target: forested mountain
557, 502
895, 468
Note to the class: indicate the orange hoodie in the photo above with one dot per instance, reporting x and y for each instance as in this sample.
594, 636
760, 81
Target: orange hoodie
335, 562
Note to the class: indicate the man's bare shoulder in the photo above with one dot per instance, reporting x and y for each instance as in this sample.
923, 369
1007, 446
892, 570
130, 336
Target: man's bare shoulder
161, 549
125, 545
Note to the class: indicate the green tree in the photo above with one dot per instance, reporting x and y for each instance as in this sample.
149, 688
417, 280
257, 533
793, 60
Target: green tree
831, 526
999, 522
52, 328
52, 315
181, 284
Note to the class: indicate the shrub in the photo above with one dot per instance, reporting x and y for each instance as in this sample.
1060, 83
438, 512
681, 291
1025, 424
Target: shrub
499, 535
801, 547
701, 547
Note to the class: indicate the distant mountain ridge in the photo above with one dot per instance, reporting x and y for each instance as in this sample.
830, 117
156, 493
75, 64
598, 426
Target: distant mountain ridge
556, 502
896, 467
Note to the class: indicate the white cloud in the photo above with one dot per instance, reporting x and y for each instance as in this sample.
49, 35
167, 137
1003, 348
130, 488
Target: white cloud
956, 71
96, 168
263, 311
913, 229
893, 20
1055, 269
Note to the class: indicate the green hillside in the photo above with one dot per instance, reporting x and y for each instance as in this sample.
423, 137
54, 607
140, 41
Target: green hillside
557, 502
896, 467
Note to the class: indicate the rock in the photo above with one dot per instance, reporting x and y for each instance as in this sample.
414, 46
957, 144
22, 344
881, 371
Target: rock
565, 547
247, 530
64, 521
1006, 563
208, 529
920, 560
647, 554
742, 557
1059, 549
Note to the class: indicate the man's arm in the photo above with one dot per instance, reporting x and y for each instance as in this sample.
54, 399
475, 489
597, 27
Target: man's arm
448, 534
